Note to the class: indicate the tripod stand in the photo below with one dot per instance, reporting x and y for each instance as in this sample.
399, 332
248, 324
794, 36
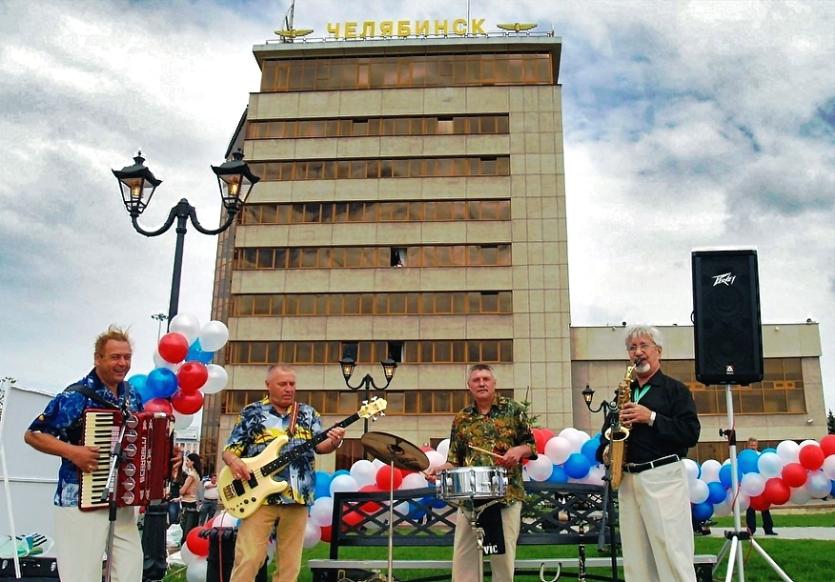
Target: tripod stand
735, 538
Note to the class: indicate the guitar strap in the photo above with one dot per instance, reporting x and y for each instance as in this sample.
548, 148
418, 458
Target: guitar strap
294, 417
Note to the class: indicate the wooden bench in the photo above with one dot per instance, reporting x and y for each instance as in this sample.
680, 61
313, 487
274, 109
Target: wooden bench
565, 514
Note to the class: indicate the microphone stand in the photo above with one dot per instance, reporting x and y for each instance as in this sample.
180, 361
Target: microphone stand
608, 504
109, 493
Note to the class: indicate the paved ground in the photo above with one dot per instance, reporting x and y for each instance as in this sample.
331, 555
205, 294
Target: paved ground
788, 533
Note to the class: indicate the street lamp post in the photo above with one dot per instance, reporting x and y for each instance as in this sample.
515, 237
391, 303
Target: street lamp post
348, 364
159, 317
138, 184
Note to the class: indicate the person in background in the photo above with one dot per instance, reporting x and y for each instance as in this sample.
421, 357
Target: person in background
178, 477
210, 499
189, 494
751, 514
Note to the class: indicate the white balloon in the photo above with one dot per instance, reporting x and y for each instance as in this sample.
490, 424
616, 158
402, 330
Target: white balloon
817, 485
692, 470
197, 571
161, 363
321, 513
806, 443
213, 336
722, 508
595, 476
413, 481
699, 490
744, 501
343, 483
186, 324
752, 484
217, 380
558, 449
770, 464
539, 468
377, 464
182, 421
312, 534
223, 519
829, 467
710, 470
443, 447
186, 556
436, 459
577, 438
364, 473
788, 450
799, 495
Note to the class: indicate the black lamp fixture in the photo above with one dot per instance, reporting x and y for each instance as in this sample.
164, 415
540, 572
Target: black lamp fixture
348, 365
137, 185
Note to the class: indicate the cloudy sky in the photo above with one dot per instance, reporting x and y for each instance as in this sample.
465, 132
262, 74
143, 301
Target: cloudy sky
687, 124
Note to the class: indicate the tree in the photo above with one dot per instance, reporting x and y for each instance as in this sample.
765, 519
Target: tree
830, 422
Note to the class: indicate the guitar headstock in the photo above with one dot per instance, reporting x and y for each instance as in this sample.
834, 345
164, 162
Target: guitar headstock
371, 410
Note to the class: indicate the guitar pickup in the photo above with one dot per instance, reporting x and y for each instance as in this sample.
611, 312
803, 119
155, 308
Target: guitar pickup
253, 481
238, 485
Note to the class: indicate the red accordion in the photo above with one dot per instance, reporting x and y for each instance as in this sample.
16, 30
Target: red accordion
145, 467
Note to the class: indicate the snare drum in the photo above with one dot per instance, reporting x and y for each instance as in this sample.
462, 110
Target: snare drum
472, 483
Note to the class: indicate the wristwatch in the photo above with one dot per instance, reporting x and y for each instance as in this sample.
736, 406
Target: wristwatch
652, 418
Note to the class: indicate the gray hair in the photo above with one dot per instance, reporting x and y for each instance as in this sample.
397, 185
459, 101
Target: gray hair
479, 368
281, 367
634, 331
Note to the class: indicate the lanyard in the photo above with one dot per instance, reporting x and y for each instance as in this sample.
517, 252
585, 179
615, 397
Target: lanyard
641, 392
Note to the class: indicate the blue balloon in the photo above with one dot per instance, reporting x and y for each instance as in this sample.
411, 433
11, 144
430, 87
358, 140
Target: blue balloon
196, 353
769, 450
162, 383
416, 510
558, 475
323, 484
701, 511
139, 382
725, 476
832, 489
433, 501
341, 472
577, 466
716, 493
747, 461
589, 449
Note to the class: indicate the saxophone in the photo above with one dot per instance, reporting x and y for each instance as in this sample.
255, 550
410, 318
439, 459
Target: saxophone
617, 433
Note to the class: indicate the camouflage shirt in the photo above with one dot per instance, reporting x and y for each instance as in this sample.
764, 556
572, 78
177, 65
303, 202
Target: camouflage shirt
504, 427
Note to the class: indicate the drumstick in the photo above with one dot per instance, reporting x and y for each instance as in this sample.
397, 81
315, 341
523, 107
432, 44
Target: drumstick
486, 452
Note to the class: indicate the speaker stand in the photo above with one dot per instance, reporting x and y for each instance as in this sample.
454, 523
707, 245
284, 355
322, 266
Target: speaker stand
734, 539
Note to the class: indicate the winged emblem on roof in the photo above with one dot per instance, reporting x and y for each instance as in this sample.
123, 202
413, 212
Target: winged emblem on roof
517, 26
294, 32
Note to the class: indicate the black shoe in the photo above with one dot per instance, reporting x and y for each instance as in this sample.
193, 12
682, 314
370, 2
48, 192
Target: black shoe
771, 533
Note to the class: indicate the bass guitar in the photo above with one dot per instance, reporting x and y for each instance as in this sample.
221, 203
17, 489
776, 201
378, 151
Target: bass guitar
242, 497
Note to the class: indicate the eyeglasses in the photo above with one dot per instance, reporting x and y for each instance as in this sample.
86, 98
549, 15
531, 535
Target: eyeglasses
643, 347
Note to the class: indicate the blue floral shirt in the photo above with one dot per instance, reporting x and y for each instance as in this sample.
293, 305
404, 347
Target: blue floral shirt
62, 412
258, 425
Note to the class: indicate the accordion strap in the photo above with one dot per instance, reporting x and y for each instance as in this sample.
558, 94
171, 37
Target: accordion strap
91, 394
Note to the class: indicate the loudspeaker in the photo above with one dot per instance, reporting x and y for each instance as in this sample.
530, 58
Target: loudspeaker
726, 317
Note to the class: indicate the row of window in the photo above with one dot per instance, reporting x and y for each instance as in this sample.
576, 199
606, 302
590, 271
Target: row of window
360, 211
366, 352
322, 304
379, 126
358, 169
345, 403
258, 258
390, 72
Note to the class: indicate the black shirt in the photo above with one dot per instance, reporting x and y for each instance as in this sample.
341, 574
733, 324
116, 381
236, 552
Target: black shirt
676, 426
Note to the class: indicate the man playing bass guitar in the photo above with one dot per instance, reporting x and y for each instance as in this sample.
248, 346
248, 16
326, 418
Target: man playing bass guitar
277, 416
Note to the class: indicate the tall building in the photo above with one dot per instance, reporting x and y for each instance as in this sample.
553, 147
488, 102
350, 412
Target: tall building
412, 206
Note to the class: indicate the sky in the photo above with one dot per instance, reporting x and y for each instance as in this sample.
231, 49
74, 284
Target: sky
686, 124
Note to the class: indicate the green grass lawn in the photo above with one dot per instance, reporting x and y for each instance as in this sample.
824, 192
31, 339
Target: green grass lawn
822, 519
802, 560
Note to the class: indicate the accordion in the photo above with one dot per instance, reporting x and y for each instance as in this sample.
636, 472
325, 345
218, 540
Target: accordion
145, 465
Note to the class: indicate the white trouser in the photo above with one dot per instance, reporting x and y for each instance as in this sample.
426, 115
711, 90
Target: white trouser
467, 554
81, 539
656, 528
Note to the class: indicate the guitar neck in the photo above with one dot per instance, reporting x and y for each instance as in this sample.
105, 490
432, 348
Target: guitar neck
290, 456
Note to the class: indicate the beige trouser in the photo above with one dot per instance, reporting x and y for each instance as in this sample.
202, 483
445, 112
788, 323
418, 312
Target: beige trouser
81, 538
656, 529
253, 539
466, 552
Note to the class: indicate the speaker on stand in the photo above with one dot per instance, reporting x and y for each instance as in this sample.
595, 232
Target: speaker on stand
729, 350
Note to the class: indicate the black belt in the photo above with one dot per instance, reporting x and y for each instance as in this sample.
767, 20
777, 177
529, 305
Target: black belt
639, 467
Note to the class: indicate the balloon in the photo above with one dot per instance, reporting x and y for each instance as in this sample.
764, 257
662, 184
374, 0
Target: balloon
692, 469
776, 491
828, 445
363, 472
752, 484
806, 443
186, 324
343, 483
185, 554
770, 464
558, 475
436, 459
799, 495
540, 437
187, 403
197, 571
557, 449
213, 336
139, 382
352, 518
829, 467
443, 447
716, 493
710, 470
312, 534
744, 500
173, 347
811, 457
759, 503
224, 519
725, 476
162, 383
327, 533
747, 461
788, 451
321, 512
158, 405
589, 449
577, 466
182, 421
323, 484
722, 508
577, 438
794, 474
702, 511
384, 478
217, 379
192, 376
370, 507
159, 362
698, 491
197, 354
414, 481
817, 486
541, 467
199, 546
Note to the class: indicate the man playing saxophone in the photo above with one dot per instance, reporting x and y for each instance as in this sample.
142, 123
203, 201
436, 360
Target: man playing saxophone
655, 522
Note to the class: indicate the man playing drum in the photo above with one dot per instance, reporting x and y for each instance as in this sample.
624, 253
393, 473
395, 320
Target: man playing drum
492, 431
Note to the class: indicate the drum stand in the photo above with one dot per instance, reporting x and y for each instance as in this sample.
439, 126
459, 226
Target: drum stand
735, 538
472, 516
109, 495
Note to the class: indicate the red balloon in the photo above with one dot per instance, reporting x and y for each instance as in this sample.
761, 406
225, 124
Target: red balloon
794, 474
197, 545
173, 347
187, 402
828, 444
541, 436
776, 491
158, 405
811, 457
370, 507
352, 518
384, 478
191, 376
759, 503
327, 533
427, 448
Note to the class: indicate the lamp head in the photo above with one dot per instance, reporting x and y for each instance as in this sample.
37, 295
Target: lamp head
389, 367
235, 181
137, 184
588, 394
347, 364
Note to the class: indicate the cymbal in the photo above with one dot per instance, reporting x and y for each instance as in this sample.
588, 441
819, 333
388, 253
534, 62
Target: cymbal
391, 448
